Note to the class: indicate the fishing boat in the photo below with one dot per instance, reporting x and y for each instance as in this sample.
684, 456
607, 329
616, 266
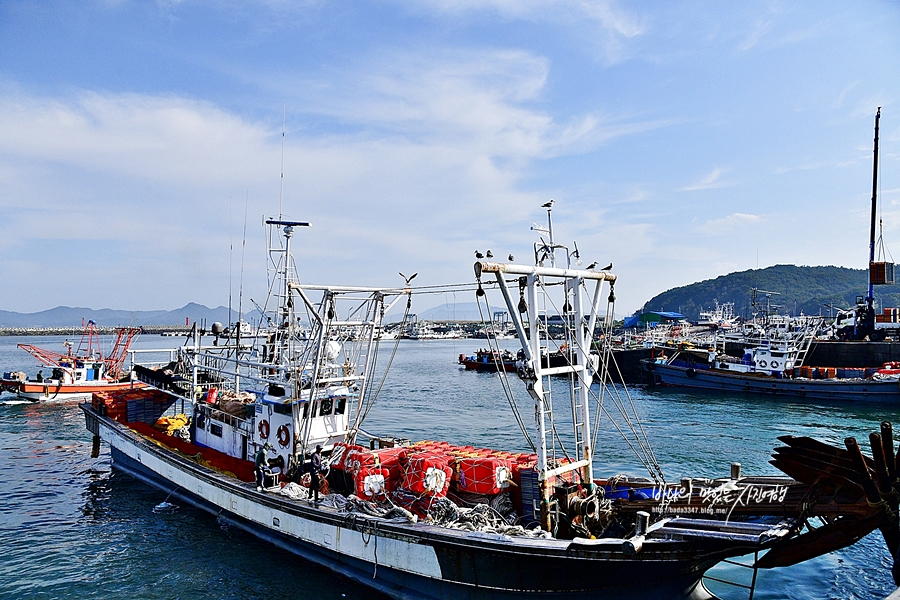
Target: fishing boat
489, 361
770, 372
775, 347
75, 375
433, 519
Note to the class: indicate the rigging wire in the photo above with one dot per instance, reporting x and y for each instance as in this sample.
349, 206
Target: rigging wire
635, 425
504, 379
373, 396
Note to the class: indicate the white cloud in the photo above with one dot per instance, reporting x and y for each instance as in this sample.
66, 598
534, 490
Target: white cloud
164, 138
729, 223
147, 181
710, 181
600, 24
760, 29
604, 12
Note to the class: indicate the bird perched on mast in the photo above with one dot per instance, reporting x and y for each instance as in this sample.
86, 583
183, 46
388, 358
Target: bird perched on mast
512, 258
478, 255
591, 266
607, 267
490, 254
547, 204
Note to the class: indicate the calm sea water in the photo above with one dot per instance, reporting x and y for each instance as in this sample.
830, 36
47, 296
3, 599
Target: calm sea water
70, 527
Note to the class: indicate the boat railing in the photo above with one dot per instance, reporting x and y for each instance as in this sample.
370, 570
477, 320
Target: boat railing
233, 420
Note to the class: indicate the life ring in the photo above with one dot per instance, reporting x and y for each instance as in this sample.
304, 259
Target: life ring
691, 372
774, 364
263, 429
284, 436
762, 364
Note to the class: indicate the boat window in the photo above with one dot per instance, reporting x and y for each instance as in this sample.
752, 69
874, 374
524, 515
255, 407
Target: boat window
325, 406
282, 409
340, 405
215, 429
305, 409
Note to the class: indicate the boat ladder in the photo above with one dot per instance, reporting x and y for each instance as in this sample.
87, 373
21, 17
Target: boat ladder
809, 334
751, 587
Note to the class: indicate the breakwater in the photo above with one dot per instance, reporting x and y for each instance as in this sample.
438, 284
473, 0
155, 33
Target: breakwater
79, 330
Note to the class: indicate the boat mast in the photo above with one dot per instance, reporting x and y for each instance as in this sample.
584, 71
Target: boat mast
871, 297
284, 325
526, 316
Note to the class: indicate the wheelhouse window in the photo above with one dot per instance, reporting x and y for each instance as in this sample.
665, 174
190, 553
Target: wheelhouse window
326, 406
340, 406
215, 429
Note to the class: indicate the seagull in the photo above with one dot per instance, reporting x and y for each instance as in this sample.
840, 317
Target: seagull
490, 254
408, 279
591, 266
547, 204
478, 254
607, 267
511, 258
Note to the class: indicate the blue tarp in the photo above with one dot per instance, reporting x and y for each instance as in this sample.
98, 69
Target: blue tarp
635, 320
668, 315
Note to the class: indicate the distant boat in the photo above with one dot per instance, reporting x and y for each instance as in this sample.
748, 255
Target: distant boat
489, 361
772, 364
75, 375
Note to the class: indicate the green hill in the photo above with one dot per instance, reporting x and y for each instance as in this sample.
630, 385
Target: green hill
810, 290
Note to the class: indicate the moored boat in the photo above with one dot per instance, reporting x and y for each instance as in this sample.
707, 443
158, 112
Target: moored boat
490, 361
438, 520
689, 369
75, 375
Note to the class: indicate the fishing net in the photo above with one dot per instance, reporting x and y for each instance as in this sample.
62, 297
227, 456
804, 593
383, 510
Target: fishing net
483, 518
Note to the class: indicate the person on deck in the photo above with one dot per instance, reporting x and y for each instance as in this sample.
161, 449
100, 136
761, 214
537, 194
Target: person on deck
315, 467
261, 457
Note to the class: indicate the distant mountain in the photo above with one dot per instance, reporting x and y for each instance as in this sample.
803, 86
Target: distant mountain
65, 316
810, 290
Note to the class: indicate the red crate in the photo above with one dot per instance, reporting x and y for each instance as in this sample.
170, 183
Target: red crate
427, 474
487, 475
373, 483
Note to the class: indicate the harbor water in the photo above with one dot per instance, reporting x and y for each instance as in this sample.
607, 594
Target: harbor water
71, 527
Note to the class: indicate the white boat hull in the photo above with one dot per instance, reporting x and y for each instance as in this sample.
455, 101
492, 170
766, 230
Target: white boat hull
406, 560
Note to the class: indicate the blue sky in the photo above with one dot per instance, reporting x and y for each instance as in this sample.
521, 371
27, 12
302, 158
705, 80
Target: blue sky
680, 140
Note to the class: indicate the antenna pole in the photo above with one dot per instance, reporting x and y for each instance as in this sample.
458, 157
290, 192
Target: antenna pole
281, 194
871, 295
552, 243
240, 321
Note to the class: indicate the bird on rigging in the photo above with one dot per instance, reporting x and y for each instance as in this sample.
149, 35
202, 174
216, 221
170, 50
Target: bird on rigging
490, 254
408, 279
478, 254
607, 267
591, 266
547, 204
511, 258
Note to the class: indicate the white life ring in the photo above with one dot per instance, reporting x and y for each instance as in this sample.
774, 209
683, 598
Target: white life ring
774, 364
762, 364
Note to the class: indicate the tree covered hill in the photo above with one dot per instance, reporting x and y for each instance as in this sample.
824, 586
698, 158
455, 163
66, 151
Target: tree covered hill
810, 290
